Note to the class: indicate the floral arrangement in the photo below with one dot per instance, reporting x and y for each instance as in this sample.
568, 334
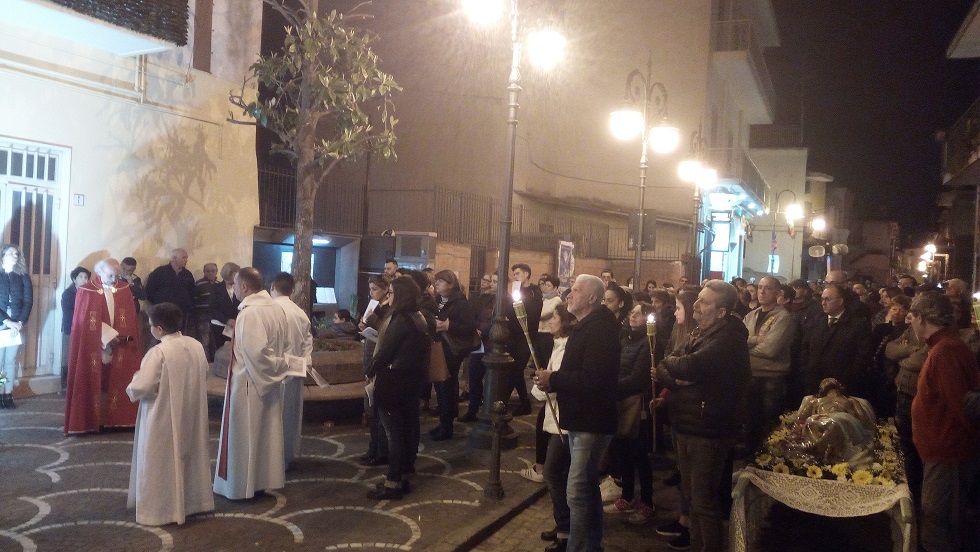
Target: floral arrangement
322, 344
779, 455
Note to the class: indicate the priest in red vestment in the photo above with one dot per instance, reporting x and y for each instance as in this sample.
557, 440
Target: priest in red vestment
104, 354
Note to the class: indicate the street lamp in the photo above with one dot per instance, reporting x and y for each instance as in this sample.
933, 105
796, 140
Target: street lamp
629, 122
544, 49
792, 212
696, 172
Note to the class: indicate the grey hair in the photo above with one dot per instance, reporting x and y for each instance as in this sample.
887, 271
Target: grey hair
934, 308
727, 294
105, 264
229, 270
593, 284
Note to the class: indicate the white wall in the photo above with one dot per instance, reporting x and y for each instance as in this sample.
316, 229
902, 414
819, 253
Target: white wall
157, 163
783, 169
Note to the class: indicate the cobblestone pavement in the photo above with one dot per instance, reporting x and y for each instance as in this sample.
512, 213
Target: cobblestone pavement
69, 493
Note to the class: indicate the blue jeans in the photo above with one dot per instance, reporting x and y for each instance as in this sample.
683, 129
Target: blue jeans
767, 395
582, 492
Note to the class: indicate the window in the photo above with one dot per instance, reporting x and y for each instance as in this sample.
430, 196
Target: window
32, 164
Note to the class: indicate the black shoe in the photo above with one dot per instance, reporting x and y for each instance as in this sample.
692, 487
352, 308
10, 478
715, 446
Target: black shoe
559, 545
469, 417
550, 535
385, 493
523, 410
671, 529
680, 542
406, 487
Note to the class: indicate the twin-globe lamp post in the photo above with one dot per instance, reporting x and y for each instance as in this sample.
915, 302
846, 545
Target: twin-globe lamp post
662, 138
545, 47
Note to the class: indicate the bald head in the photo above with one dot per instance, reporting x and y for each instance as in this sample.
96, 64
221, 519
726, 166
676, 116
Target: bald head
248, 281
836, 277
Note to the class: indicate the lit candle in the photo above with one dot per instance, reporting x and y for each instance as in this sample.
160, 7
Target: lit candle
651, 325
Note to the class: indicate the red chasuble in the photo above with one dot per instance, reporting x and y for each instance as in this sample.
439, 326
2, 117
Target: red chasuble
96, 393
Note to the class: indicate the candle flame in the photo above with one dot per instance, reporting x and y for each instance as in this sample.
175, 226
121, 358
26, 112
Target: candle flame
517, 295
650, 318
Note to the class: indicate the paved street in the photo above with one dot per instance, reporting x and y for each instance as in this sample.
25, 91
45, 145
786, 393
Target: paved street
69, 494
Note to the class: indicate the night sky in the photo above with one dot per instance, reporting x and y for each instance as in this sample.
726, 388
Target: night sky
873, 85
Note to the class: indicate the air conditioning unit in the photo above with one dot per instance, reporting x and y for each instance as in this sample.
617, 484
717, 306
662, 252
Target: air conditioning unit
415, 249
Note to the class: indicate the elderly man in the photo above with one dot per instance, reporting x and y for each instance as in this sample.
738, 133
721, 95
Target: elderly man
586, 388
299, 343
958, 295
837, 347
104, 353
946, 441
250, 450
772, 330
202, 307
709, 379
173, 283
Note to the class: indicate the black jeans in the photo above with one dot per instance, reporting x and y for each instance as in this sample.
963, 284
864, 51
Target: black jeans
477, 371
521, 355
447, 392
401, 424
636, 462
913, 463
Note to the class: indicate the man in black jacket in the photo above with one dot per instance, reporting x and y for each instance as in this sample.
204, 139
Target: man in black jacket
837, 346
709, 379
586, 388
517, 344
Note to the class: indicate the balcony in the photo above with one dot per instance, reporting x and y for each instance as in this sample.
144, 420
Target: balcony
737, 57
738, 175
961, 149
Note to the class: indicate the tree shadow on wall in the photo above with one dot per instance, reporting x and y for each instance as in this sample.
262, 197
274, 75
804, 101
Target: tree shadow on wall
175, 196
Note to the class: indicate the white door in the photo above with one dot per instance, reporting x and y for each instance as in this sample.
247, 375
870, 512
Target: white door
29, 210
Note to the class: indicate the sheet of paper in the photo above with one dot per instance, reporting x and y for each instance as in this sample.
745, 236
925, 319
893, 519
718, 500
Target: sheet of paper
370, 334
318, 379
372, 304
295, 366
108, 334
10, 337
228, 332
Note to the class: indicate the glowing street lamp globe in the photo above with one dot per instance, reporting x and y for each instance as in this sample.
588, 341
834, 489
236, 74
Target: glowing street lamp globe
794, 212
483, 12
689, 170
707, 178
546, 48
626, 124
664, 138
819, 224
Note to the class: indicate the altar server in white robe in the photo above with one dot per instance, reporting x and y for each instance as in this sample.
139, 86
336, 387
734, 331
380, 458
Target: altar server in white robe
170, 476
250, 449
299, 343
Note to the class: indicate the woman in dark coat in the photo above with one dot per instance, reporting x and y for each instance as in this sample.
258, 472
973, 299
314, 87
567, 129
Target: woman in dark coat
456, 330
16, 300
397, 371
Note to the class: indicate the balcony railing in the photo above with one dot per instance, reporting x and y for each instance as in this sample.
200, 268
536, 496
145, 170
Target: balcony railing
277, 203
737, 36
962, 145
735, 164
671, 244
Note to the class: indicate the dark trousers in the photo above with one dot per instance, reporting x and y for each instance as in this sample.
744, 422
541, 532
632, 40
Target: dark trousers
401, 425
557, 461
767, 395
702, 462
521, 355
913, 464
634, 463
447, 392
541, 437
378, 443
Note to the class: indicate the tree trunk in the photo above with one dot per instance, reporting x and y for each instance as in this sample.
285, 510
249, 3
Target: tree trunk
306, 187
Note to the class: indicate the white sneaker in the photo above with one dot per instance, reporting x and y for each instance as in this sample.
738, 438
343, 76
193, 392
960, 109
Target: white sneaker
609, 489
620, 506
531, 475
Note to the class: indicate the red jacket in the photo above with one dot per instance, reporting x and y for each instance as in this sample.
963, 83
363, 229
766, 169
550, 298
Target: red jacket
939, 427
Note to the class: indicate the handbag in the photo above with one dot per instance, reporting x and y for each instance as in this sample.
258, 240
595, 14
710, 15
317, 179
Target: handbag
438, 369
462, 346
628, 416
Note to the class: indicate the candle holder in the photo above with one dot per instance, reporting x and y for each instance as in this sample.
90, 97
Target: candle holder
652, 340
521, 313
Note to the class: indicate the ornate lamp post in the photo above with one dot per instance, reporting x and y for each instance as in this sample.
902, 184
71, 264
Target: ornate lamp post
694, 170
545, 50
626, 123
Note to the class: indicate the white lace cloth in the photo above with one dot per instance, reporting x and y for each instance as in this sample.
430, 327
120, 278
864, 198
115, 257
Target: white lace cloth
756, 490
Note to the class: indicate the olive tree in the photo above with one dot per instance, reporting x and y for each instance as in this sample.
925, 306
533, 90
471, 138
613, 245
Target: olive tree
326, 100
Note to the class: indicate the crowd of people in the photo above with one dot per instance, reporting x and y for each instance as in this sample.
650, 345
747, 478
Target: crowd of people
622, 372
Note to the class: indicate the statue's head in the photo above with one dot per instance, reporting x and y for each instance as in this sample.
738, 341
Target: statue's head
828, 385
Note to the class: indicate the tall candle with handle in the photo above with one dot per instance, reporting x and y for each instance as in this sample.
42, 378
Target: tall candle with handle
652, 339
521, 313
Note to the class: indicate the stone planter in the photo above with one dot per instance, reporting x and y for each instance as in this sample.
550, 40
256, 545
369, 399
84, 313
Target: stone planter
345, 365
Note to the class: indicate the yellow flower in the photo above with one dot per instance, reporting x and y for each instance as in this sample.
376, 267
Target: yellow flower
780, 468
840, 470
886, 442
884, 481
877, 468
890, 456
862, 477
763, 459
814, 472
